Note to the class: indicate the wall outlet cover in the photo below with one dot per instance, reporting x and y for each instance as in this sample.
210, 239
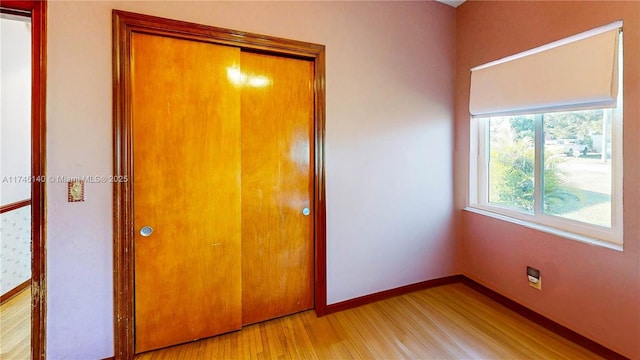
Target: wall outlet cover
75, 191
536, 285
535, 280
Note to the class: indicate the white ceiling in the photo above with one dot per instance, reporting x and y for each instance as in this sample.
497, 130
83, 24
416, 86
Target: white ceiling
454, 3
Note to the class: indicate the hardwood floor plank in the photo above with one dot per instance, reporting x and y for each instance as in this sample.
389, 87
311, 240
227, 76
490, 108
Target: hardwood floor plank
15, 326
446, 322
493, 324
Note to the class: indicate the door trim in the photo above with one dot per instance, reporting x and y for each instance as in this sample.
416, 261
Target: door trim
37, 10
124, 25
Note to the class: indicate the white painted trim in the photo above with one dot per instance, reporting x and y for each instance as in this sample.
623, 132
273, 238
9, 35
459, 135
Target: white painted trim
547, 229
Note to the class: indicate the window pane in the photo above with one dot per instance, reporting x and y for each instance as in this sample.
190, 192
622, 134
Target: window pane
511, 161
577, 166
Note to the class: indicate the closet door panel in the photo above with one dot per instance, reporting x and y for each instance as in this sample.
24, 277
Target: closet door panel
186, 184
277, 186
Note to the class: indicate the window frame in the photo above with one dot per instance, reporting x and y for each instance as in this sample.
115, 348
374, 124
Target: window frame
478, 199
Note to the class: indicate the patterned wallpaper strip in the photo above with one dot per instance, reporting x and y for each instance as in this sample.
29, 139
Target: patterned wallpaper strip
15, 248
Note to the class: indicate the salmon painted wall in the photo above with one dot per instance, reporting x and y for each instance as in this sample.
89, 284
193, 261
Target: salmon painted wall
589, 289
389, 140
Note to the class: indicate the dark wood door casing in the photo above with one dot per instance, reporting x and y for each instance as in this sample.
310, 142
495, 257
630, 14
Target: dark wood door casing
125, 24
37, 10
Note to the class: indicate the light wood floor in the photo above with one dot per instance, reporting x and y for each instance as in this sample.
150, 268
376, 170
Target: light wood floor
446, 322
15, 327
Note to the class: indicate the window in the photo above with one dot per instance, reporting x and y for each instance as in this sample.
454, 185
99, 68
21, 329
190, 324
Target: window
552, 162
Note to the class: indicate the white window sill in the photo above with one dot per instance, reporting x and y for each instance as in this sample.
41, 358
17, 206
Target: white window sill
547, 229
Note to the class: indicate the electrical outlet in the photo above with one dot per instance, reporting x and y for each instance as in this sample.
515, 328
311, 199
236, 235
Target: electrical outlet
535, 280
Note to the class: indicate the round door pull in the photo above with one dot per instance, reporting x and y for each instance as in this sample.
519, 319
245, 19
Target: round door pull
146, 231
306, 211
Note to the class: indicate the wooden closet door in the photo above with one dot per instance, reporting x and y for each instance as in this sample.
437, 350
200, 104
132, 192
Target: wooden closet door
277, 186
186, 183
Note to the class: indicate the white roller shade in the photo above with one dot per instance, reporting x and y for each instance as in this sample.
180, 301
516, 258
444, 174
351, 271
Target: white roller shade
578, 72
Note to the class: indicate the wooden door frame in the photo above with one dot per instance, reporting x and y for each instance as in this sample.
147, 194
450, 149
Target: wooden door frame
124, 25
37, 11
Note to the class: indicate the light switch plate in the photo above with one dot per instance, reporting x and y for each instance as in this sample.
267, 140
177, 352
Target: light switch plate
75, 191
